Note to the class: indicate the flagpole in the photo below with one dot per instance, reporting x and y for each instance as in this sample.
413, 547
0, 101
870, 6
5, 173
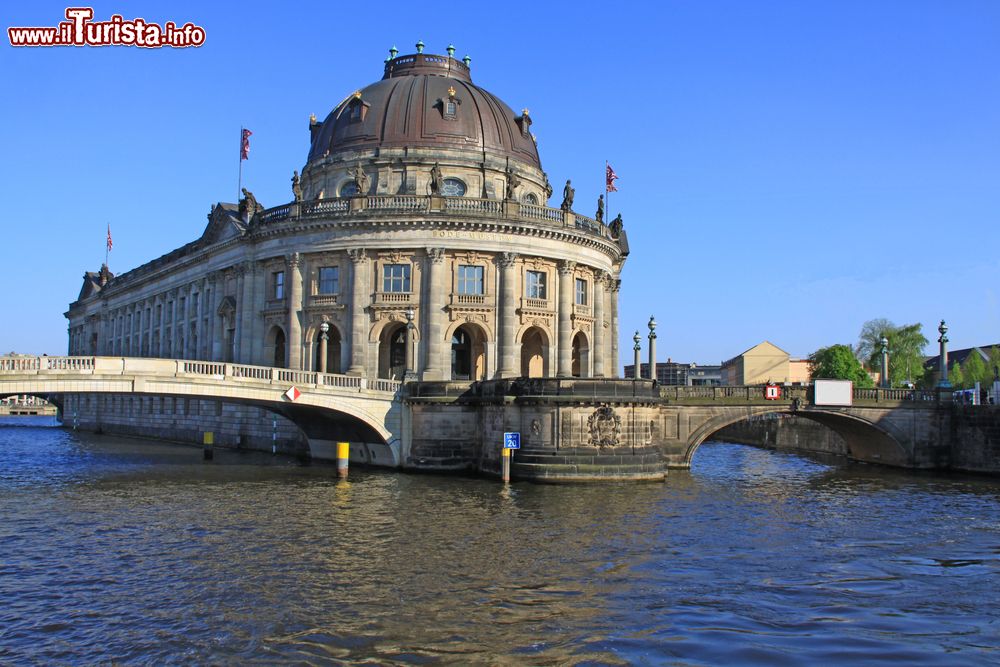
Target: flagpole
106, 249
239, 184
607, 190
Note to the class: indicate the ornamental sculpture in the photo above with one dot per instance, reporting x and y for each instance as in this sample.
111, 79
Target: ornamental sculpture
605, 426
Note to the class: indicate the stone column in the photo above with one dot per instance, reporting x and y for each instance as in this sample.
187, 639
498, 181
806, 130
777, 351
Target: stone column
943, 359
565, 352
359, 301
151, 306
598, 343
616, 285
508, 366
244, 316
323, 346
174, 296
215, 335
434, 315
294, 283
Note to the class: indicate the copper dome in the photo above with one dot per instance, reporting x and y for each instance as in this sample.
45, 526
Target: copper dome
425, 101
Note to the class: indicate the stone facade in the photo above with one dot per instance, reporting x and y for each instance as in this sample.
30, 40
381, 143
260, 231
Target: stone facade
418, 232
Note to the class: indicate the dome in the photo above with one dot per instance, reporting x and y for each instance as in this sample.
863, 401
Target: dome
425, 102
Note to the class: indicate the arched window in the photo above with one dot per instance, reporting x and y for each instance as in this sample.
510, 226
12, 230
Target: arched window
349, 189
279, 348
461, 355
530, 198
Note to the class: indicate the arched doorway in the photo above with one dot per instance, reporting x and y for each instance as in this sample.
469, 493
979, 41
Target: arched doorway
332, 351
392, 352
468, 353
581, 356
534, 353
277, 343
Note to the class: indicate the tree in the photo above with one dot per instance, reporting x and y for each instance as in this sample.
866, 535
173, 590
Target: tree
837, 362
956, 377
906, 349
974, 369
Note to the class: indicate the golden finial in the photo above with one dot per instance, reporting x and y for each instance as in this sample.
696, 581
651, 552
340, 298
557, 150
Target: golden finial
525, 112
357, 94
451, 91
312, 119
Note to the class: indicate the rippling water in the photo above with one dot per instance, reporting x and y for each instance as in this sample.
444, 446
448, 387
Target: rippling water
129, 551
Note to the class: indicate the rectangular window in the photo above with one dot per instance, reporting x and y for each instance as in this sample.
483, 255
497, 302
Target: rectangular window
535, 287
329, 280
470, 279
278, 285
396, 278
581, 292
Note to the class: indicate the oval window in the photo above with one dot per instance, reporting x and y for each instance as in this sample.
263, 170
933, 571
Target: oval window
453, 188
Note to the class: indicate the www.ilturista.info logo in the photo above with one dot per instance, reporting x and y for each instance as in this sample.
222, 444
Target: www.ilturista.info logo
80, 30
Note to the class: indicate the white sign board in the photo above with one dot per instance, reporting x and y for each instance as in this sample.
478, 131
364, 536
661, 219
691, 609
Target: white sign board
834, 392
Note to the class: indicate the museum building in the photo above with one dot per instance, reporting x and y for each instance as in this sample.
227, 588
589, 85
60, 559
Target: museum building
418, 242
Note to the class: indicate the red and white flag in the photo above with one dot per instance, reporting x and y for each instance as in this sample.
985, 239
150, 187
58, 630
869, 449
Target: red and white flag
611, 177
109, 237
245, 144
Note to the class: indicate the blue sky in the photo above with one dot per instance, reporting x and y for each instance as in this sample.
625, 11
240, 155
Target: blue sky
788, 170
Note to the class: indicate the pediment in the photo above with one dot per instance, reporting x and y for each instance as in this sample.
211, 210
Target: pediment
224, 223
227, 307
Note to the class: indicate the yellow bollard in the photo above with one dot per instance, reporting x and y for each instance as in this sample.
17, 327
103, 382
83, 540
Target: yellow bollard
506, 464
207, 440
343, 458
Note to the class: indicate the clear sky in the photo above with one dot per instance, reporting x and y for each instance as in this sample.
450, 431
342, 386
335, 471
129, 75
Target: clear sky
788, 170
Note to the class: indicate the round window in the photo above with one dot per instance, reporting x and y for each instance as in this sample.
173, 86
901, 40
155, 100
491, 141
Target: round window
453, 188
349, 189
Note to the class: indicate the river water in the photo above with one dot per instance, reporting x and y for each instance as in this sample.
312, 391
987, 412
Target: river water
128, 551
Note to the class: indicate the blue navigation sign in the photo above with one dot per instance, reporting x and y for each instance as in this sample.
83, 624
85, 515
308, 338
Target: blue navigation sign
512, 441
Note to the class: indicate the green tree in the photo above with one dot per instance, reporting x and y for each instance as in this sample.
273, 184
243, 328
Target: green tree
974, 369
837, 362
956, 377
906, 349
994, 364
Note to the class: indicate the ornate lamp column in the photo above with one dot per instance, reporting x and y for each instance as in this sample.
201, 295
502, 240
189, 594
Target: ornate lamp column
885, 362
359, 301
943, 359
433, 314
508, 315
324, 328
637, 373
566, 269
408, 374
652, 348
598, 345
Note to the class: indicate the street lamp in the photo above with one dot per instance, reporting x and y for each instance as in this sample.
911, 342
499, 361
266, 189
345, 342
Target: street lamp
943, 359
408, 374
324, 329
885, 362
636, 374
652, 348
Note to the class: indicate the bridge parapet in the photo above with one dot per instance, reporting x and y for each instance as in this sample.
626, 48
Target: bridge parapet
182, 368
754, 395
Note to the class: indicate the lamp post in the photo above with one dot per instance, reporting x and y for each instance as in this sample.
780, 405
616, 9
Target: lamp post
652, 348
408, 374
885, 362
943, 359
324, 330
638, 366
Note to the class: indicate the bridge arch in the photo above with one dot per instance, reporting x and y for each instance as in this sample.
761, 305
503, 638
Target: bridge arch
868, 441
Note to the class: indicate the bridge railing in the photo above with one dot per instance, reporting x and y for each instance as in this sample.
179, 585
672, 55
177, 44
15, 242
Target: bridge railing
188, 368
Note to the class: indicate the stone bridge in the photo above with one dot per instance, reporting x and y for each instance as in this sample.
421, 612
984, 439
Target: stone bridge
330, 408
898, 427
571, 428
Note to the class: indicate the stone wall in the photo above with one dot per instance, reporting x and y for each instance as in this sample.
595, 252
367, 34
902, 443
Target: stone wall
975, 438
183, 420
785, 432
